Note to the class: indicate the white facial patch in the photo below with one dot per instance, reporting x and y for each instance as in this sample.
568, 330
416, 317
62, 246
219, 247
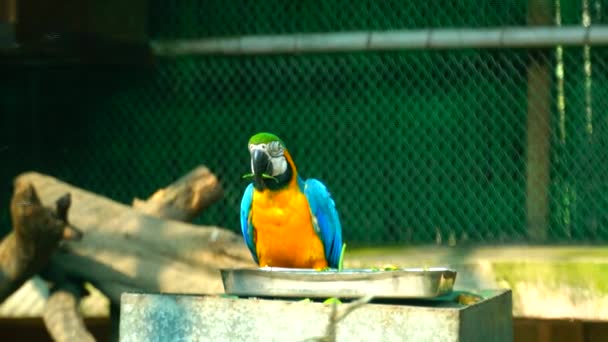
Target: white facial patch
279, 163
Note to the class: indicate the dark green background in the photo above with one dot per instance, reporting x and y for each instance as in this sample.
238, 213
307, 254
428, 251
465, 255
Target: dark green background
411, 144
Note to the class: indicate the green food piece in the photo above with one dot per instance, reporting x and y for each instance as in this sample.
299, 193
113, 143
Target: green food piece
341, 260
468, 298
332, 300
264, 175
389, 267
305, 300
267, 176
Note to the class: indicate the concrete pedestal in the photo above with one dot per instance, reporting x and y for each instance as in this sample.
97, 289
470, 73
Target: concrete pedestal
164, 317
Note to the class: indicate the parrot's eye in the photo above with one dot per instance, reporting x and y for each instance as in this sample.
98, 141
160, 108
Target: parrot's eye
275, 149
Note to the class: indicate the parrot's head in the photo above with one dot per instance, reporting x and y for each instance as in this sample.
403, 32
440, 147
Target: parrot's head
271, 165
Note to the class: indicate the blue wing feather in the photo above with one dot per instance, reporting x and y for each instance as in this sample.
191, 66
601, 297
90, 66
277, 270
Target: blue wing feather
246, 224
326, 219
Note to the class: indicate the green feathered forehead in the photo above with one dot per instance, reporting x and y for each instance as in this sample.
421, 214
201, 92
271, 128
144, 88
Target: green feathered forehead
265, 138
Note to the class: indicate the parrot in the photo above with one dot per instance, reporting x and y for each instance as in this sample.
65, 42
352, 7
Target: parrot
287, 221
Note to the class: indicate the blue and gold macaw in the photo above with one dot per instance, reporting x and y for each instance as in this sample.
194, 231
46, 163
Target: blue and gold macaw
287, 222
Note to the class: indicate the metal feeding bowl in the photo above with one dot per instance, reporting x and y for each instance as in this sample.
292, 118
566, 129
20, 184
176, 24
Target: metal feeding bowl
349, 283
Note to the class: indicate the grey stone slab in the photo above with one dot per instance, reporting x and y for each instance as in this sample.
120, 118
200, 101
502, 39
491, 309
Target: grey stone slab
166, 317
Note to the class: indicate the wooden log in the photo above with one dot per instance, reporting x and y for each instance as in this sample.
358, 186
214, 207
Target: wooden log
124, 249
62, 315
37, 232
185, 199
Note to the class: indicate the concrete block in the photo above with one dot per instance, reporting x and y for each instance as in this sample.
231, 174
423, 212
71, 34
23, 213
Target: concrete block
166, 317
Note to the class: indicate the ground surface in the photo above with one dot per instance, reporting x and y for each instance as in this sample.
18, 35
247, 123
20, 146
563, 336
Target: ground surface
547, 282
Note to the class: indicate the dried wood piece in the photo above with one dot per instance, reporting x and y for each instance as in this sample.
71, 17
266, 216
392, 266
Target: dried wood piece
125, 249
122, 249
185, 199
37, 232
62, 316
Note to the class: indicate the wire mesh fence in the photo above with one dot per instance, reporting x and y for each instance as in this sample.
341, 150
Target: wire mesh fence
195, 18
442, 146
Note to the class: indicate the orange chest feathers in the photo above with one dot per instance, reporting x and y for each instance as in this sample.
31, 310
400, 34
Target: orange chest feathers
284, 232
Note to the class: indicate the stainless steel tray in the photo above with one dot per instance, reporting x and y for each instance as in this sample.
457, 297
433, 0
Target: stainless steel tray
349, 283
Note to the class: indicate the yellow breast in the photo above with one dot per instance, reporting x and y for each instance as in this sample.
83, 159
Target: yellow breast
284, 233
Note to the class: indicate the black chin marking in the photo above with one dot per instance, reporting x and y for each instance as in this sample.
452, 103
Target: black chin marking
258, 183
282, 180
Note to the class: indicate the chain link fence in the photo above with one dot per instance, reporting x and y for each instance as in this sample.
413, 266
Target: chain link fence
415, 146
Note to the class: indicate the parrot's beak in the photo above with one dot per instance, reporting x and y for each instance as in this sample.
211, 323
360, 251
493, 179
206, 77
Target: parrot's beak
259, 162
